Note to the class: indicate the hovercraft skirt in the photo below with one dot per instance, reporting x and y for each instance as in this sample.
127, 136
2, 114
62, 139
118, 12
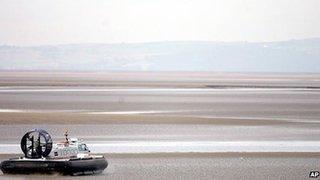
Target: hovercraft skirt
77, 166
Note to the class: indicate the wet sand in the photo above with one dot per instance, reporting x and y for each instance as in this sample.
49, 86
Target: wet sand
171, 107
200, 166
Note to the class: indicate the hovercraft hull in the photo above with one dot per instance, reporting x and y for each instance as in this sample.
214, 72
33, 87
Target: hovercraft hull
75, 166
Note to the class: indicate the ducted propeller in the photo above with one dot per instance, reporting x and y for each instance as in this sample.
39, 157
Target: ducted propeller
36, 144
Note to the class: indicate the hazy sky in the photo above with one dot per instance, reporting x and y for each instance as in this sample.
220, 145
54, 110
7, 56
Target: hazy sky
36, 22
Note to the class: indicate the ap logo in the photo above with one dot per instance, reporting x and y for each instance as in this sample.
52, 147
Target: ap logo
314, 174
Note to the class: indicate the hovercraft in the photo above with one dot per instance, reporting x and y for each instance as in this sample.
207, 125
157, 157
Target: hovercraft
71, 157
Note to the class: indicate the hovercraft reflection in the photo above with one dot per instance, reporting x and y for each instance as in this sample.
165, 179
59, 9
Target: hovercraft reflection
69, 157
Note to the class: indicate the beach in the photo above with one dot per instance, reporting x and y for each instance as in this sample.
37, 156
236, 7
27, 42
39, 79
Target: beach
171, 125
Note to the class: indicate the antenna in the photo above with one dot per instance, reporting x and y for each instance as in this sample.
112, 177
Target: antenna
66, 135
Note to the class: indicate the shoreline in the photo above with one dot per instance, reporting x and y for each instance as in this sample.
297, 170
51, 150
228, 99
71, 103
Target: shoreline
157, 79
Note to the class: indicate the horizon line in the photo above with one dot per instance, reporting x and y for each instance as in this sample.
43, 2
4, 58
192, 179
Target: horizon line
151, 42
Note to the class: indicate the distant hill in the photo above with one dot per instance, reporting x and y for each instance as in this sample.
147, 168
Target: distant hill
286, 56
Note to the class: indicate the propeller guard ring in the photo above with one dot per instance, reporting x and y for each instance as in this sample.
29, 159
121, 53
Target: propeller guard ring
37, 148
